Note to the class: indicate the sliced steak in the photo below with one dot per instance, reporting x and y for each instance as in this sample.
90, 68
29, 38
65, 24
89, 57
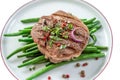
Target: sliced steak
50, 35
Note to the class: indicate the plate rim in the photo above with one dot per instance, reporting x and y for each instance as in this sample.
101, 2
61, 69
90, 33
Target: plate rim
30, 2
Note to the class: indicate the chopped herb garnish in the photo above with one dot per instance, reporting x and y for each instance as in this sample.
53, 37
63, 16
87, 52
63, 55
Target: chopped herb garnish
45, 28
56, 38
57, 31
65, 35
70, 26
51, 42
63, 46
52, 33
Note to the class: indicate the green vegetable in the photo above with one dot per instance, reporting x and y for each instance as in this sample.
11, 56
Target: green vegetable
29, 36
13, 34
49, 63
30, 20
29, 27
45, 28
20, 49
27, 60
83, 20
33, 61
63, 46
56, 31
33, 55
50, 42
40, 62
90, 49
94, 29
102, 47
65, 35
25, 40
70, 26
25, 35
29, 53
25, 31
93, 24
56, 38
94, 38
18, 33
89, 21
32, 48
52, 66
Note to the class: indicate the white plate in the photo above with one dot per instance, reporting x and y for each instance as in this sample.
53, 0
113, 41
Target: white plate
39, 8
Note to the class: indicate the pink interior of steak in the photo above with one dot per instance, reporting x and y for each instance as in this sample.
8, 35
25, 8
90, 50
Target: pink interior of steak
53, 36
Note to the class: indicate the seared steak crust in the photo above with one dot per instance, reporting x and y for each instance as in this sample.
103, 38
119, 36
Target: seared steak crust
72, 49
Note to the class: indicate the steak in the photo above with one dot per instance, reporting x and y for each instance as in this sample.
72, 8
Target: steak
60, 36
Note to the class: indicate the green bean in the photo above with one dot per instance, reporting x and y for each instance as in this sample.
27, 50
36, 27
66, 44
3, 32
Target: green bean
29, 36
89, 21
49, 63
25, 30
32, 48
43, 61
25, 40
102, 47
20, 49
33, 55
83, 20
29, 27
37, 59
25, 35
30, 20
52, 66
96, 28
28, 59
93, 24
40, 62
18, 33
13, 34
90, 49
98, 51
94, 38
29, 53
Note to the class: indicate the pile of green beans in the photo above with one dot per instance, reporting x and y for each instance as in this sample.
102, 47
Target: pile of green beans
34, 56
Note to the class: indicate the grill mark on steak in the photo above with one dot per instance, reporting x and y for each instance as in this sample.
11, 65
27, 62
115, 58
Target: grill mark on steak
64, 14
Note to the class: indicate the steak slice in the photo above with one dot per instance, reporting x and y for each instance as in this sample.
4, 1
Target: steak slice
52, 29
